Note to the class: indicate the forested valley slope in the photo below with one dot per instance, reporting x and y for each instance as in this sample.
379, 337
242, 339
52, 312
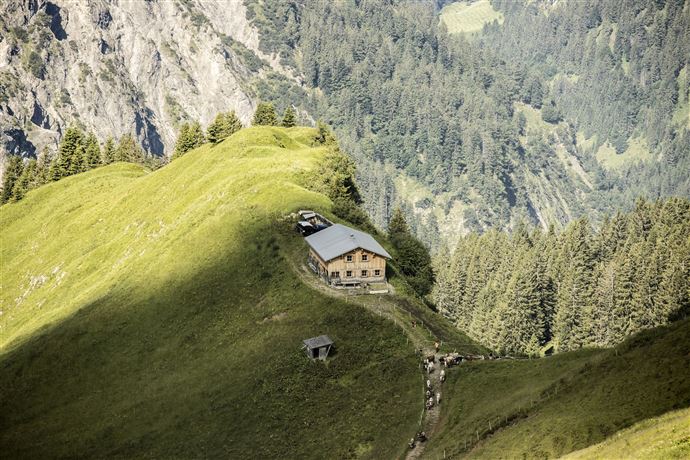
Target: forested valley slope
558, 110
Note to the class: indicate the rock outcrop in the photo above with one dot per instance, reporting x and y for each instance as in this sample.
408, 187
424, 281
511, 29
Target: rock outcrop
116, 67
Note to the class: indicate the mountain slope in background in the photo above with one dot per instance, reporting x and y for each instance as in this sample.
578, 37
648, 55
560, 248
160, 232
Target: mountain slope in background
123, 67
470, 135
511, 125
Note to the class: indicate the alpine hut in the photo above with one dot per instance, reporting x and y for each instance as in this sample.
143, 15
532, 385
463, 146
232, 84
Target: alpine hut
318, 347
343, 256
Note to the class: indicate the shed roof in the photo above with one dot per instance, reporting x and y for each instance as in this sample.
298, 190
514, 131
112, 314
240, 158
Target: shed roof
339, 239
318, 342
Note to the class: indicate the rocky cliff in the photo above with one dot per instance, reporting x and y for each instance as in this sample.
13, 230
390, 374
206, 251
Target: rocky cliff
116, 67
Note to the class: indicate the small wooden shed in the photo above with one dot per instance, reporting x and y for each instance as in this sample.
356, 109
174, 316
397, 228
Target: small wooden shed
318, 347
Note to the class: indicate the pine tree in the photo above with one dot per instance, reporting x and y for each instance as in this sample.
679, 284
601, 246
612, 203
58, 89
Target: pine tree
190, 137
412, 256
92, 152
289, 117
78, 163
43, 167
216, 130
265, 115
232, 123
108, 154
14, 170
26, 181
573, 319
129, 150
67, 161
223, 126
397, 226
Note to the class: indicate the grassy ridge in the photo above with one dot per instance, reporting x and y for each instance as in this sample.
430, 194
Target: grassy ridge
549, 407
153, 315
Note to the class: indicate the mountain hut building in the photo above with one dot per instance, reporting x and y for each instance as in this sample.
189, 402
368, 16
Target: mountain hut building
343, 256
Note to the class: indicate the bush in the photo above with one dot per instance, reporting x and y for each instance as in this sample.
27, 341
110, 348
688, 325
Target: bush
33, 62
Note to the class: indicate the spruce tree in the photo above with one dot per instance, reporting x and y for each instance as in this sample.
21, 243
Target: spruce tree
108, 155
289, 117
13, 172
129, 150
190, 137
232, 123
92, 152
223, 126
412, 256
572, 323
78, 163
43, 167
182, 141
67, 162
25, 182
265, 115
216, 130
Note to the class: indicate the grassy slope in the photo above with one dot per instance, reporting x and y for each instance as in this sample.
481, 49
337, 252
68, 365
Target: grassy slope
548, 407
469, 18
153, 314
665, 437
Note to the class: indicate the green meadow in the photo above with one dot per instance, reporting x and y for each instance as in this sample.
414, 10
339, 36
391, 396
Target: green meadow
547, 407
154, 314
469, 17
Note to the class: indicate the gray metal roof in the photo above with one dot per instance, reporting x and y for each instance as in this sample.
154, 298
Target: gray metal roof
318, 342
338, 239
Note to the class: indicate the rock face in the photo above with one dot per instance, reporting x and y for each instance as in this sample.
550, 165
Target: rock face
116, 67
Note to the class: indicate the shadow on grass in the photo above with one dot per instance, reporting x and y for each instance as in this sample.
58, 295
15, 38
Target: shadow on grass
186, 368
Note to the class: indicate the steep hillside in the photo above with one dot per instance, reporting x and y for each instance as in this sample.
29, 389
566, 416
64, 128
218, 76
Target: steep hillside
662, 437
155, 314
552, 406
124, 67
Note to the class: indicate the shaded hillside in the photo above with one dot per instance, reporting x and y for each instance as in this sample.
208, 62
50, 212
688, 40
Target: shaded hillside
551, 406
155, 315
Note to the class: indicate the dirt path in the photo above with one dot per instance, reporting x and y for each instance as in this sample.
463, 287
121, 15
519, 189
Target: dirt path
422, 338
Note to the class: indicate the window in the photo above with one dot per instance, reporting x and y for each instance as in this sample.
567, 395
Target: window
335, 274
377, 272
348, 273
364, 274
365, 257
348, 258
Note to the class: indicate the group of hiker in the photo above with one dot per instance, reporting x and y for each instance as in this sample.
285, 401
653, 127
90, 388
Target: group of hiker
419, 437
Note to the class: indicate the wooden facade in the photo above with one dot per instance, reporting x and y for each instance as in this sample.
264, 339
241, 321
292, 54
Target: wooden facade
352, 268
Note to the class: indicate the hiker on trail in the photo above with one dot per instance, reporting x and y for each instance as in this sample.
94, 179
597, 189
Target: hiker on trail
422, 436
411, 443
428, 384
443, 375
438, 398
431, 368
430, 403
428, 393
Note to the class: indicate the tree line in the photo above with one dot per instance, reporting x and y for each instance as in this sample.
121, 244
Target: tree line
80, 152
225, 124
577, 288
77, 152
